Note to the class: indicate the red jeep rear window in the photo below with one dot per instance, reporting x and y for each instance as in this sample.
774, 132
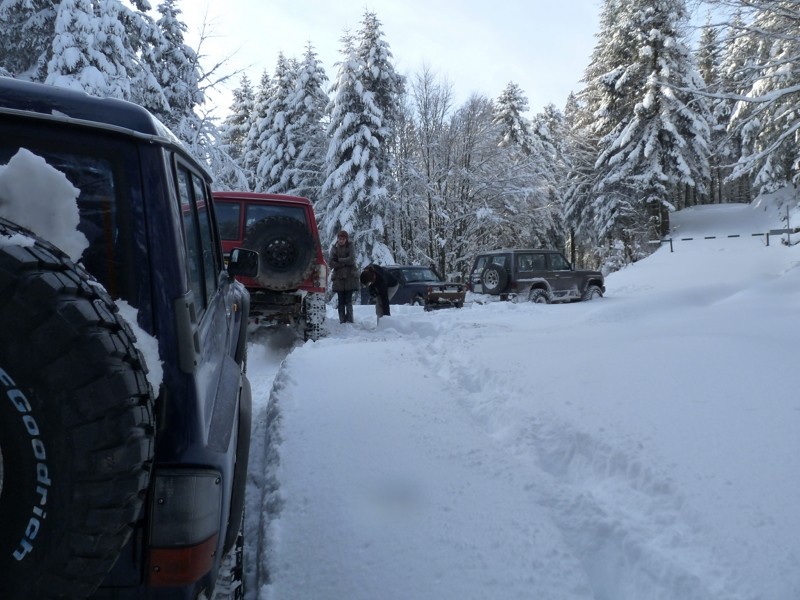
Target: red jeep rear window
256, 212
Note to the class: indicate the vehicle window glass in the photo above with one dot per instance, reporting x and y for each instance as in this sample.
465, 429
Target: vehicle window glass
480, 264
208, 240
191, 232
256, 212
538, 262
412, 275
524, 262
500, 260
558, 263
228, 214
102, 205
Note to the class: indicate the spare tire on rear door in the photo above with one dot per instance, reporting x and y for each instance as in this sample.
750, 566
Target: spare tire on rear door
76, 424
494, 279
286, 252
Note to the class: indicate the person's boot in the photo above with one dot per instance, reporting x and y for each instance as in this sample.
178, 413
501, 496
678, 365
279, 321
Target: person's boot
342, 315
348, 318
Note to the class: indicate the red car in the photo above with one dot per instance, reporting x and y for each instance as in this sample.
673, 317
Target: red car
292, 274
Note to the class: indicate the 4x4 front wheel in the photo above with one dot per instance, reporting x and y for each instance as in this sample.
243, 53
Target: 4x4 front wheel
591, 293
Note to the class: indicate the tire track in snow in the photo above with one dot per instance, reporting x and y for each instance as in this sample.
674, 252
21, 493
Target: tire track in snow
266, 355
623, 521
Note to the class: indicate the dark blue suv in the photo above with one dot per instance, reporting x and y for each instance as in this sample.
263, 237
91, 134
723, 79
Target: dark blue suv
109, 487
420, 286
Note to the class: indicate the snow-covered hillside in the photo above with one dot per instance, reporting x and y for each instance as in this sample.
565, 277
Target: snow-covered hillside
642, 446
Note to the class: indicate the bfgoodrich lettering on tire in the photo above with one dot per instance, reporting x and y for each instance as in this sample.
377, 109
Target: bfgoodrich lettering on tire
76, 424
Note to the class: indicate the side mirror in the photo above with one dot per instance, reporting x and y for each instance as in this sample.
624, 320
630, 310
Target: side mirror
243, 262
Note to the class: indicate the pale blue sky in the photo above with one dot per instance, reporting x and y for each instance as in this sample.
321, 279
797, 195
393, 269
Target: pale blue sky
479, 46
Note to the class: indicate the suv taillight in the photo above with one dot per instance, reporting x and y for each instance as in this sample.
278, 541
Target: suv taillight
184, 525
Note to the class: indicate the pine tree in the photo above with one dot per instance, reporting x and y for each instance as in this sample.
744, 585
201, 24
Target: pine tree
306, 107
174, 65
87, 51
258, 124
579, 154
379, 78
277, 139
233, 135
27, 27
661, 148
353, 197
709, 63
509, 109
768, 120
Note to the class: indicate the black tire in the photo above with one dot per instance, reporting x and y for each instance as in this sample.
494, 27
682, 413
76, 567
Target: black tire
230, 577
76, 425
286, 252
591, 293
313, 321
418, 301
494, 279
538, 296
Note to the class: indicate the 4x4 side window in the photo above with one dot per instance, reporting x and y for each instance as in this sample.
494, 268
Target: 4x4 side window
198, 236
531, 262
558, 263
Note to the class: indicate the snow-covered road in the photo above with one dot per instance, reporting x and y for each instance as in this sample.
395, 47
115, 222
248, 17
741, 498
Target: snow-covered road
642, 446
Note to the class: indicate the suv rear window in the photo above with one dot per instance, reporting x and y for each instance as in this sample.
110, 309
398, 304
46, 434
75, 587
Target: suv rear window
97, 170
229, 216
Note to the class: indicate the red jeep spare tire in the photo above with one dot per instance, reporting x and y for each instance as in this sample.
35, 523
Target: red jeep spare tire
76, 424
286, 252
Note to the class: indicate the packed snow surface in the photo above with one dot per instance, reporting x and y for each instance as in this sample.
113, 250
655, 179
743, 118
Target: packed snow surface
640, 446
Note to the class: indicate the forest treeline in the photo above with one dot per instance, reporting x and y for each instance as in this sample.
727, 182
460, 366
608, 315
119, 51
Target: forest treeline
669, 115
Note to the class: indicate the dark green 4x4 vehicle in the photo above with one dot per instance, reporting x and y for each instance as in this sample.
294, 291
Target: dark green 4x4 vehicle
542, 276
114, 484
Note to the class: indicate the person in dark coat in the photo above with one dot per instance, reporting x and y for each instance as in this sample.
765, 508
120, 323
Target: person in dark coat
344, 280
380, 284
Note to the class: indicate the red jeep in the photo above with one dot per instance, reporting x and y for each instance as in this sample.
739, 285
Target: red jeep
292, 273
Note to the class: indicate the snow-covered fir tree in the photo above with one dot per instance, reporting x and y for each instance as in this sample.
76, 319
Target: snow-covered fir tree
306, 107
27, 27
174, 65
659, 151
579, 153
87, 51
276, 132
233, 134
379, 77
768, 119
709, 58
510, 108
258, 124
353, 197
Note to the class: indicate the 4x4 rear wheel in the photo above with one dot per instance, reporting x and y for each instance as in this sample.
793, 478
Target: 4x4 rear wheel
286, 252
494, 279
76, 424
